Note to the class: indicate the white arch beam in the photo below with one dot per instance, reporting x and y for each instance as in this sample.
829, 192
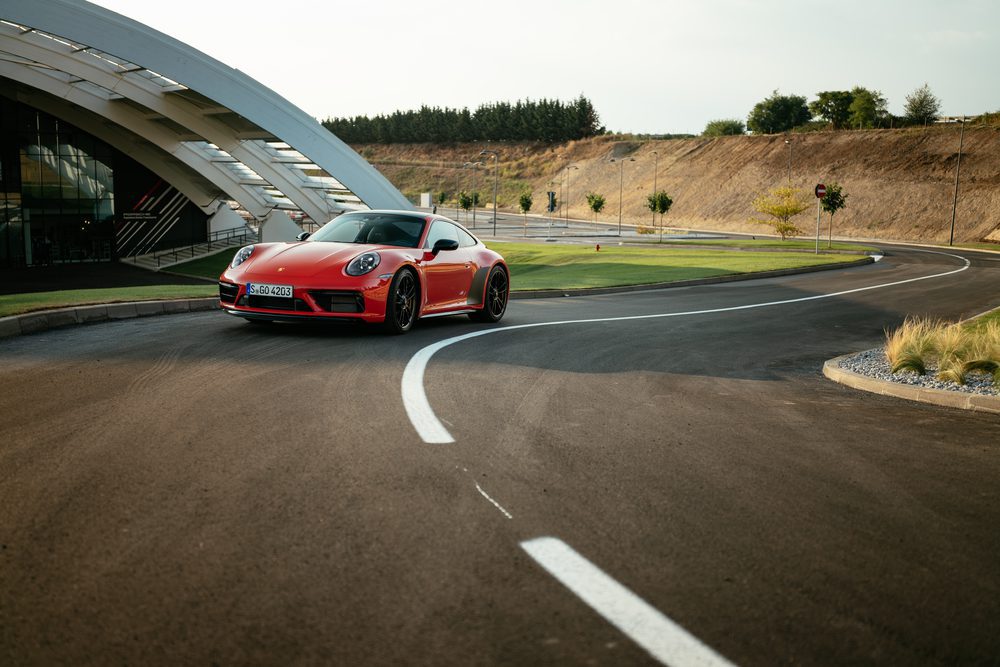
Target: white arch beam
85, 67
133, 120
139, 150
86, 24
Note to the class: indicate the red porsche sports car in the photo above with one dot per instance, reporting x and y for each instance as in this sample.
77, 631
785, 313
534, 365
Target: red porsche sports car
388, 267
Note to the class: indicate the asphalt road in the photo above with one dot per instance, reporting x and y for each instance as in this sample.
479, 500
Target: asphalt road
193, 489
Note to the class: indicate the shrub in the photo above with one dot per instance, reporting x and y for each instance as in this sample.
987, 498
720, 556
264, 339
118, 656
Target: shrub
956, 349
781, 204
951, 346
908, 348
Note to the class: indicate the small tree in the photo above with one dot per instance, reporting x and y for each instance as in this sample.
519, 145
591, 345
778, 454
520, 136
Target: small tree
778, 113
465, 200
595, 202
524, 203
922, 105
781, 204
834, 200
475, 199
659, 202
442, 198
868, 108
724, 127
833, 106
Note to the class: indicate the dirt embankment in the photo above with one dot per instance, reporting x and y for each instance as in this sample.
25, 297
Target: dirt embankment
900, 183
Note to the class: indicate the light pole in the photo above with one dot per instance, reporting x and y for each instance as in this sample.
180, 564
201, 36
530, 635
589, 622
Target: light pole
656, 168
621, 182
568, 167
496, 180
958, 170
788, 142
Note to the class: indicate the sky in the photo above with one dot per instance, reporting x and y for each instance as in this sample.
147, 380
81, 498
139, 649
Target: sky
648, 66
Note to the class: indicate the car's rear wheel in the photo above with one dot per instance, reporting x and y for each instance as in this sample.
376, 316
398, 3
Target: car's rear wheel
497, 293
402, 303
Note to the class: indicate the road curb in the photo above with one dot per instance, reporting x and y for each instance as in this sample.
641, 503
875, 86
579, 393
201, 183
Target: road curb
943, 397
43, 320
593, 291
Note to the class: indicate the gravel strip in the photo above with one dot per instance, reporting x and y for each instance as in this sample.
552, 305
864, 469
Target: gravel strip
873, 364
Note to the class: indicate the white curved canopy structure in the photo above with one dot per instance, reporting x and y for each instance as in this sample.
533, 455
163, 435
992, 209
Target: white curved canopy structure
209, 130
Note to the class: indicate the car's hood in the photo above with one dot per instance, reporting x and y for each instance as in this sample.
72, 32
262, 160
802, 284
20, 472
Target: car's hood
302, 259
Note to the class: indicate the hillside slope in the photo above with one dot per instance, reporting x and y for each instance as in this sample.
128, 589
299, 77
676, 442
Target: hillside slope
900, 183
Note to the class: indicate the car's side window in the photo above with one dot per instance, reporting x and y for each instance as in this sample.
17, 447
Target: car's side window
441, 230
465, 239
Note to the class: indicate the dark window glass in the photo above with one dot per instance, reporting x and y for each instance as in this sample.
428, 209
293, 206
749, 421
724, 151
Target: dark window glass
441, 230
465, 239
375, 228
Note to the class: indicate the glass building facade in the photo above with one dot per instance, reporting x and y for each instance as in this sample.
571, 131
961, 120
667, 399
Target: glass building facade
59, 202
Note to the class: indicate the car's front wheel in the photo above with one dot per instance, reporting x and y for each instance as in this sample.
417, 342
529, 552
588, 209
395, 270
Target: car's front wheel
497, 293
402, 303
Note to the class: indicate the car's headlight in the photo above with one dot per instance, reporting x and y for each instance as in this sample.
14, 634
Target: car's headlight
363, 264
242, 255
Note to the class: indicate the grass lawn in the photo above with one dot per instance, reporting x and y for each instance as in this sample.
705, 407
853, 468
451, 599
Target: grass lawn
778, 244
209, 266
536, 266
532, 266
14, 304
551, 266
980, 323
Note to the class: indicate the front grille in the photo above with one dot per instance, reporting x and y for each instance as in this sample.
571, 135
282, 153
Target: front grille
228, 292
339, 302
277, 303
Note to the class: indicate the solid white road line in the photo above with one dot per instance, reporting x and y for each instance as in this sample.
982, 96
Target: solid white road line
432, 431
638, 620
495, 503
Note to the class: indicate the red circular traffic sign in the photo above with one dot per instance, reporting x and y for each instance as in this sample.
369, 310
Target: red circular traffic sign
820, 190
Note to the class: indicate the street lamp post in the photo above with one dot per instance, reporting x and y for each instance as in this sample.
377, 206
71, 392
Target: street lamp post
568, 167
958, 170
496, 180
788, 142
621, 182
656, 168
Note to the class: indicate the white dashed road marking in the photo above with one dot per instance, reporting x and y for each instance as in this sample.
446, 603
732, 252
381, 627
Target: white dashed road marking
637, 619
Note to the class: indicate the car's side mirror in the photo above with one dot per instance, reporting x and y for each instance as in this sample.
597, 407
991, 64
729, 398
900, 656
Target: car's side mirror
444, 244
302, 236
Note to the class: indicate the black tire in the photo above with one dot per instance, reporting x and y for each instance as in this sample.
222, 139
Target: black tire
402, 303
496, 297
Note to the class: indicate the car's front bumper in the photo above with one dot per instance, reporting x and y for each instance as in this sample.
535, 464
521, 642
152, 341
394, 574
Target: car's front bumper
362, 299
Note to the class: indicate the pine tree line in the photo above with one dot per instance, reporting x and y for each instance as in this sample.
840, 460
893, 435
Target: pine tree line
544, 120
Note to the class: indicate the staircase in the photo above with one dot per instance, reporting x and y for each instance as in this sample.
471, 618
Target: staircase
218, 241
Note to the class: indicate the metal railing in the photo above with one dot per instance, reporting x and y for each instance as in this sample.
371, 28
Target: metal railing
222, 239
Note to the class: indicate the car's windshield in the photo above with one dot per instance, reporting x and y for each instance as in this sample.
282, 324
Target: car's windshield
376, 228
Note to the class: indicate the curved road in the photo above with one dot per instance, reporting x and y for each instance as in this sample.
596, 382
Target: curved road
685, 489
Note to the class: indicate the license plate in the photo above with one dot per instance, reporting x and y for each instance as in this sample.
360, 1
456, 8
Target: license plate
266, 289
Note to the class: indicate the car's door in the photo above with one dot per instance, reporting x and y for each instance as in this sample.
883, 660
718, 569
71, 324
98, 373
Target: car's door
449, 274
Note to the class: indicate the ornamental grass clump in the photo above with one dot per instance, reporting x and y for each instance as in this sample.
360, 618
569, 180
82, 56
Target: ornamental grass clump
955, 349
909, 347
983, 355
952, 344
